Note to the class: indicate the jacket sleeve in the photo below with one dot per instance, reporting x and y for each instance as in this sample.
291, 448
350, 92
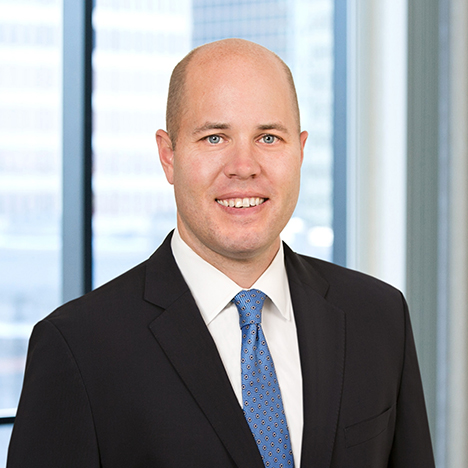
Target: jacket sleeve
412, 441
54, 426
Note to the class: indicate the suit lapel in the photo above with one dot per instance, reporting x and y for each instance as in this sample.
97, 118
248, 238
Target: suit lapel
182, 334
321, 335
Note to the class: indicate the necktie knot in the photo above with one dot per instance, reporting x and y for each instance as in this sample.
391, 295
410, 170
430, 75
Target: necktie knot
249, 304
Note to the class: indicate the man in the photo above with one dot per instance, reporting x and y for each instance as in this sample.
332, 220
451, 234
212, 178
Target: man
164, 366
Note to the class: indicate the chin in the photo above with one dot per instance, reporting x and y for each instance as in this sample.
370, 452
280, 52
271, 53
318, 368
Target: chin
245, 248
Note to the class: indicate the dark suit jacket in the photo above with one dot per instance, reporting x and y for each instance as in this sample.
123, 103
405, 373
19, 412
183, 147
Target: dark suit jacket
128, 376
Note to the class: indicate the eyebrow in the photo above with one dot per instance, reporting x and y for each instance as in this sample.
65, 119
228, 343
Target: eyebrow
211, 126
273, 126
222, 126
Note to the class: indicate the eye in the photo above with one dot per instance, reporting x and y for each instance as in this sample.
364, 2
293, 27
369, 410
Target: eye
214, 139
269, 139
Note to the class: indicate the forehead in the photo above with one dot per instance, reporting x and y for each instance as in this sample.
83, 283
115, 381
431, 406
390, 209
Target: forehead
234, 85
219, 65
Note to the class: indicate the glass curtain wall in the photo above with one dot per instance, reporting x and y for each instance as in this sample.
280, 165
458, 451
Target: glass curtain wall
137, 45
301, 33
30, 183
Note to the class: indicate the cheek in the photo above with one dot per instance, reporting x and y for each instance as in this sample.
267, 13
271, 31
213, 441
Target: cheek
288, 175
290, 187
185, 174
193, 177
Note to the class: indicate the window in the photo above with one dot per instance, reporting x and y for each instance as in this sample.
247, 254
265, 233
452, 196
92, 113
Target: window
137, 46
30, 183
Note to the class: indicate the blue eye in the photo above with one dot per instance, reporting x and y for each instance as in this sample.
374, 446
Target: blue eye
214, 139
269, 139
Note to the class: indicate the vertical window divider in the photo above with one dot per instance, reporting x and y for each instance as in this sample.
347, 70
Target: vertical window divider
77, 149
340, 118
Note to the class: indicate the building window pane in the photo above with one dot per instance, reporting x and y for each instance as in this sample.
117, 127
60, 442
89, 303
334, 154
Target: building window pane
30, 179
301, 33
137, 45
5, 434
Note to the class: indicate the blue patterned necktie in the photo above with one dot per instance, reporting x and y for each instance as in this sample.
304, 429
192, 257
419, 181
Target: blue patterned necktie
263, 407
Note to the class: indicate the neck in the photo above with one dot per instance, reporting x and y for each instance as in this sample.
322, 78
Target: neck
243, 269
244, 272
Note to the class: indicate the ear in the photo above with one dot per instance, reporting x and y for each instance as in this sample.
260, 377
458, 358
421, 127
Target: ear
303, 139
166, 154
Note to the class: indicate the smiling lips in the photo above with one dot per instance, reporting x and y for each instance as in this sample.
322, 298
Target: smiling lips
241, 202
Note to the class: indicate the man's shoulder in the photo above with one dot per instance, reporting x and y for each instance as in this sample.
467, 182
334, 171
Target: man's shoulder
124, 293
338, 274
343, 285
120, 293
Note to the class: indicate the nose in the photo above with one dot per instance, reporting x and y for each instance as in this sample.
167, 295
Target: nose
242, 162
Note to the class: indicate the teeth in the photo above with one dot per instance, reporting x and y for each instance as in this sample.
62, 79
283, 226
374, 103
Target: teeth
241, 202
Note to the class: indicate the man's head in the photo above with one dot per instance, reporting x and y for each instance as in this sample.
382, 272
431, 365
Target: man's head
234, 139
177, 91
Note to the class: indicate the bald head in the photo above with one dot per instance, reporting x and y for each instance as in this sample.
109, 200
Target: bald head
219, 52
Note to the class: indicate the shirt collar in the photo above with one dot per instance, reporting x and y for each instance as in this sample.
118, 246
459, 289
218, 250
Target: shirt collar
213, 290
274, 283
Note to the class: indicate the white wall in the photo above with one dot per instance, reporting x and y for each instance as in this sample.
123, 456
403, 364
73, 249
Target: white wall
377, 198
457, 433
377, 145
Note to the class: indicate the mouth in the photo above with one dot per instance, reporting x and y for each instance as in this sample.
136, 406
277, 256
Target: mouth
241, 202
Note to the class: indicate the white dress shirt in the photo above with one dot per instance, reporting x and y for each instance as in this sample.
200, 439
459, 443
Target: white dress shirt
213, 292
